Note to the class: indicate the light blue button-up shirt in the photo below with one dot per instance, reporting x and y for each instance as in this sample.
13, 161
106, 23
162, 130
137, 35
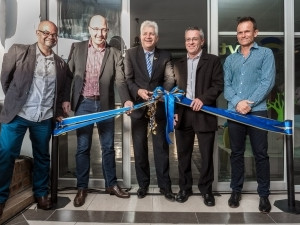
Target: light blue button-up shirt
39, 104
249, 78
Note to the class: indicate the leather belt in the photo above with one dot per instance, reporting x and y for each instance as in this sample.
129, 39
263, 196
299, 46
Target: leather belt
95, 97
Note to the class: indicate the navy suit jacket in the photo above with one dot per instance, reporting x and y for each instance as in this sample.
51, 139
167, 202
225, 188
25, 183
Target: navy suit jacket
137, 77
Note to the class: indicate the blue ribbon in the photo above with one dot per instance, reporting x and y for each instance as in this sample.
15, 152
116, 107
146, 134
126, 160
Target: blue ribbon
175, 95
263, 123
170, 98
75, 122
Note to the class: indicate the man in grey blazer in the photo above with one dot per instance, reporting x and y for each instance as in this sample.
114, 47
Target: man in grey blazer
200, 76
34, 80
147, 67
95, 67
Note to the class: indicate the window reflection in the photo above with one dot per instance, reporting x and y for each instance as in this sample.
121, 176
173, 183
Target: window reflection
269, 14
74, 17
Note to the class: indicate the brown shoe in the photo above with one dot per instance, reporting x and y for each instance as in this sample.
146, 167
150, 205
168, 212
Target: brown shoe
116, 190
1, 208
44, 202
79, 200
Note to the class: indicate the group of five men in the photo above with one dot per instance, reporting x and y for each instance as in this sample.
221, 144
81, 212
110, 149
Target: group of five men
40, 88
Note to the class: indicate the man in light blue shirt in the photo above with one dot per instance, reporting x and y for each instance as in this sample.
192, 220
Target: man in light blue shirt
249, 78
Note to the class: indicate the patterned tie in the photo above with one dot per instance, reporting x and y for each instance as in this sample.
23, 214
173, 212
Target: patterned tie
149, 63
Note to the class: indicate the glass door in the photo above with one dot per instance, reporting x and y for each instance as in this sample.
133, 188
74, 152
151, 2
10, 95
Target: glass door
224, 43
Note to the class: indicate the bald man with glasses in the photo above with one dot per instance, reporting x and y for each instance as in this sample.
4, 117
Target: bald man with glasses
96, 67
35, 82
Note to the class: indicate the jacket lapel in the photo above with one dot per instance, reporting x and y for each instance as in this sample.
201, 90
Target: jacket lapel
183, 74
155, 61
202, 60
83, 49
142, 61
106, 54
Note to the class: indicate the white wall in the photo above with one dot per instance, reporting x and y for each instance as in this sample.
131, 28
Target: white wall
19, 20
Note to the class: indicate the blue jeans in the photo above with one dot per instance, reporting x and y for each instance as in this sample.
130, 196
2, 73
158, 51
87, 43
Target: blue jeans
11, 139
84, 143
259, 144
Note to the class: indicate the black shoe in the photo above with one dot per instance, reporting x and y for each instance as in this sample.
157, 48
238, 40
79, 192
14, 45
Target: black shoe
80, 197
234, 200
168, 194
209, 199
142, 192
183, 195
44, 202
264, 205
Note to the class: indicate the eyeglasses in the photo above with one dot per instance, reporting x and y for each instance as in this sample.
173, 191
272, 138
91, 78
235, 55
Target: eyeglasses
102, 30
192, 39
47, 33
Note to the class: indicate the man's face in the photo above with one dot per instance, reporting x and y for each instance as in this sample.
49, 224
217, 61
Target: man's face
193, 42
149, 38
98, 30
246, 33
47, 35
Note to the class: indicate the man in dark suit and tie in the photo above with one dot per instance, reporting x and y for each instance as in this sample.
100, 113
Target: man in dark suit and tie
200, 75
95, 67
147, 67
35, 82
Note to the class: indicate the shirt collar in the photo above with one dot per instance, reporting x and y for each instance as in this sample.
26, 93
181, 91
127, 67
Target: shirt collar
95, 49
40, 54
254, 45
151, 52
197, 56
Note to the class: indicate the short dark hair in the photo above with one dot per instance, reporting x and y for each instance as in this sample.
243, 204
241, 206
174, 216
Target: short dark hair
247, 18
195, 28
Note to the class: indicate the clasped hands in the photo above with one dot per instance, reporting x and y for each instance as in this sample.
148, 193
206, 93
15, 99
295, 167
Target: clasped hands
244, 106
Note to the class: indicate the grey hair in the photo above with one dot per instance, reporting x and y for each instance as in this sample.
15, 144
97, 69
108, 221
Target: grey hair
195, 28
148, 23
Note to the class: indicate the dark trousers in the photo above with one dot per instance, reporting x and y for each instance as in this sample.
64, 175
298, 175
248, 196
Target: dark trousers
106, 130
160, 152
185, 137
259, 144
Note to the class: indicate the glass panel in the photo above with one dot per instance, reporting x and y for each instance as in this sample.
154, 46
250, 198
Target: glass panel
229, 45
73, 19
297, 112
268, 14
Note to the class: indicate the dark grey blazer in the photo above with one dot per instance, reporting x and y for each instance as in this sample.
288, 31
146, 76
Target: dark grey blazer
209, 85
16, 79
111, 71
137, 77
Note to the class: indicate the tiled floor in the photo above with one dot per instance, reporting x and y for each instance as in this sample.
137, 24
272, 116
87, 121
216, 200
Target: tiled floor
101, 208
154, 209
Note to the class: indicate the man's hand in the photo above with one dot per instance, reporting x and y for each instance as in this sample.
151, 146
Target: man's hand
128, 103
196, 104
175, 119
66, 107
144, 94
243, 106
59, 118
